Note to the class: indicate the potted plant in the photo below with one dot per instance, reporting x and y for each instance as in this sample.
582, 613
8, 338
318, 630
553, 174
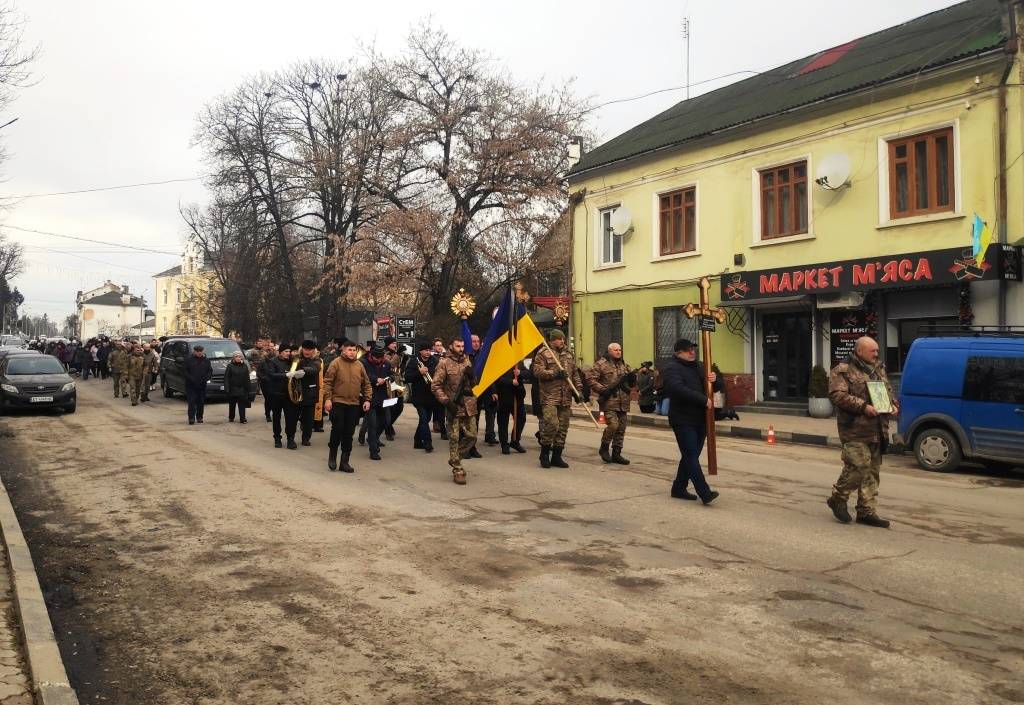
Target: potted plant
818, 404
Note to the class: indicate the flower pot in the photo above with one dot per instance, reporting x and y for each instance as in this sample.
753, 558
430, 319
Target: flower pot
819, 408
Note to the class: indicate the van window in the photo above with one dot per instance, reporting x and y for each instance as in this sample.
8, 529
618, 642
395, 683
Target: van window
994, 379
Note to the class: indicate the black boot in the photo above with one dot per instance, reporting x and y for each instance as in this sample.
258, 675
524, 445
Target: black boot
417, 444
277, 443
332, 458
429, 447
517, 447
345, 467
873, 520
545, 456
474, 453
617, 457
839, 509
556, 457
292, 445
603, 452
505, 450
362, 436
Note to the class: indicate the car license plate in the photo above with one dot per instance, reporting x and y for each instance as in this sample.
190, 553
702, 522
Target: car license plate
34, 400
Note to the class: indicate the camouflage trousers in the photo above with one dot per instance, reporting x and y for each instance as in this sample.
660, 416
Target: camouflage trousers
135, 388
861, 465
461, 437
615, 430
120, 384
555, 426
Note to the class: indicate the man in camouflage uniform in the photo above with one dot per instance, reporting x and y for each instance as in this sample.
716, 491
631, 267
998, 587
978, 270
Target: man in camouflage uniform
612, 379
554, 375
136, 372
118, 362
152, 367
453, 388
863, 431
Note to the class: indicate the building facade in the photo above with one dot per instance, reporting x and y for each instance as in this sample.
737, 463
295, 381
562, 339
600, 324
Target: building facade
186, 296
109, 310
832, 197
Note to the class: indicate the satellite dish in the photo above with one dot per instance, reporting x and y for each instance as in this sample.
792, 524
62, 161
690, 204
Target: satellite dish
833, 172
622, 221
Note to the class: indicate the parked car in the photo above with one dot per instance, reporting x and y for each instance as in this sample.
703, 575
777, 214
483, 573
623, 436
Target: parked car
4, 352
12, 341
963, 398
172, 363
35, 382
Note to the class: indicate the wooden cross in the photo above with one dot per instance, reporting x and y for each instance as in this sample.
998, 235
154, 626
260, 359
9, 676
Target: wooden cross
708, 317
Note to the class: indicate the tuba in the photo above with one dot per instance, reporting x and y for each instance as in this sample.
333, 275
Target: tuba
295, 386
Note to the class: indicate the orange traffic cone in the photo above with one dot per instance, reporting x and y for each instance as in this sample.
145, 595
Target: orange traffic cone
600, 419
771, 435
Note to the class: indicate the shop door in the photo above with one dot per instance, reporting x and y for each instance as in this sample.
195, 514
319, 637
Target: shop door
786, 340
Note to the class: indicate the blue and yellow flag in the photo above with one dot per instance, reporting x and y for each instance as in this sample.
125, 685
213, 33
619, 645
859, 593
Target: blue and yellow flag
981, 237
511, 337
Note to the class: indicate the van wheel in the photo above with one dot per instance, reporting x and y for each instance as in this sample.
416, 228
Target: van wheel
938, 450
168, 392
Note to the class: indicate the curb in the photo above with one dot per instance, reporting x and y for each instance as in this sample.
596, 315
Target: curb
46, 667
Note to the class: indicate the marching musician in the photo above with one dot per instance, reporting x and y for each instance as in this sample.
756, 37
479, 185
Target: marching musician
305, 376
613, 380
396, 359
418, 378
374, 422
274, 385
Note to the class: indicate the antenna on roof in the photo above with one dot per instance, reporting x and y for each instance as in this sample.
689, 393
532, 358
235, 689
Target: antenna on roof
686, 38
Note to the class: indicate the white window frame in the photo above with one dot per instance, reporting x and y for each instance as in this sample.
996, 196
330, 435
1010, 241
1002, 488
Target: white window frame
885, 219
755, 201
599, 260
656, 255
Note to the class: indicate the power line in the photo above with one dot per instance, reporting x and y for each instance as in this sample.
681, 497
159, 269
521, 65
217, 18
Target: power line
109, 188
86, 239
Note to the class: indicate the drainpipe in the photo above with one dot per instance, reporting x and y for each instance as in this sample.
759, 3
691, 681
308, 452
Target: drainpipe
1011, 49
575, 199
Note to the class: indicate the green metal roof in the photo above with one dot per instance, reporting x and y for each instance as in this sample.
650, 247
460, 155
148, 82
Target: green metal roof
933, 40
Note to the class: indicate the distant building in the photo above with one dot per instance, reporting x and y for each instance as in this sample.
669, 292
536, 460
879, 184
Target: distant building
185, 296
109, 310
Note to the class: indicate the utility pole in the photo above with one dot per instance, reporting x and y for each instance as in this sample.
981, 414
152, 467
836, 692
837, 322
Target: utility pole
686, 39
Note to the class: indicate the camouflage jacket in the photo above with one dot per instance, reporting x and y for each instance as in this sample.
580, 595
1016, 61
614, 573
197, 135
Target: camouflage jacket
848, 390
135, 366
448, 377
553, 390
605, 374
118, 362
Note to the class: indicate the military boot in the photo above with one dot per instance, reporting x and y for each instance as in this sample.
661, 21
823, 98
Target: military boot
545, 456
873, 520
517, 447
345, 467
603, 452
839, 509
556, 457
332, 458
617, 457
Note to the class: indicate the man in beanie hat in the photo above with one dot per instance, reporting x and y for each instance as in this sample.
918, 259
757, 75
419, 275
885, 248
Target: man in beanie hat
683, 384
379, 371
417, 377
395, 359
453, 387
554, 369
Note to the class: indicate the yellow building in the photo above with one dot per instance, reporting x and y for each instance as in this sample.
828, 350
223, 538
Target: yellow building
828, 197
186, 296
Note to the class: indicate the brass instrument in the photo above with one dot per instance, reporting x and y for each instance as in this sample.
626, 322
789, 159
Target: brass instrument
295, 385
396, 387
424, 371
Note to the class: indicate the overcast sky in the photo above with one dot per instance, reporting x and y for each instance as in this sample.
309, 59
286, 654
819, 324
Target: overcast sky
119, 85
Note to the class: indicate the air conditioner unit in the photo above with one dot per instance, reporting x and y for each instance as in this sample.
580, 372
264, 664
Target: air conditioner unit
849, 299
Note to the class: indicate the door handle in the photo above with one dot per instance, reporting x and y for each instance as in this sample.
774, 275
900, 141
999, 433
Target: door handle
1018, 411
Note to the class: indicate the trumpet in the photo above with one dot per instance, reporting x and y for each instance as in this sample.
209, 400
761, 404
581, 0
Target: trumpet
423, 371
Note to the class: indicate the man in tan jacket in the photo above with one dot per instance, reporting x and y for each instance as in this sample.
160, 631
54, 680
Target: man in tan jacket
863, 431
347, 392
453, 387
613, 380
557, 376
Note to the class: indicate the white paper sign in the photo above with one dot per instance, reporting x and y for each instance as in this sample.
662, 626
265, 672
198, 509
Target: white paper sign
389, 402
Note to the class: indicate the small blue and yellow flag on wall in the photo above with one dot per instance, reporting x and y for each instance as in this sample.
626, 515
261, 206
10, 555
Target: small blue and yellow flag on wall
511, 337
981, 237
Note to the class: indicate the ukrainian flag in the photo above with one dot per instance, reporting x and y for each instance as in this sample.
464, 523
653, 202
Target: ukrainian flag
511, 337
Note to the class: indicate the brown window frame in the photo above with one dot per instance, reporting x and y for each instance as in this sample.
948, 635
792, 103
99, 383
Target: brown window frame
672, 212
910, 160
776, 188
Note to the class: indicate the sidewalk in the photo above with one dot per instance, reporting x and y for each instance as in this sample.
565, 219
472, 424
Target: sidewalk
788, 429
14, 681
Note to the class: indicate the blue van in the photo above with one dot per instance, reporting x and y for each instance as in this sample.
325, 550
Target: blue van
963, 398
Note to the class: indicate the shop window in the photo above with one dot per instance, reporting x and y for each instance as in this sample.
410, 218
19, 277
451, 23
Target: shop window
994, 379
611, 244
784, 201
671, 324
906, 332
678, 221
607, 330
921, 174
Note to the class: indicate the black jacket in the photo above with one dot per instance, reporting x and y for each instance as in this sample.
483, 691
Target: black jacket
683, 385
237, 385
310, 381
508, 392
198, 371
380, 392
273, 382
419, 387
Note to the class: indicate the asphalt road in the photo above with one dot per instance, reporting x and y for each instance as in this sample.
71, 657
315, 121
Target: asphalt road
201, 565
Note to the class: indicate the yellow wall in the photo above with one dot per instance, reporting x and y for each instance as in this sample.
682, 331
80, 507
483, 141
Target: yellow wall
193, 288
845, 224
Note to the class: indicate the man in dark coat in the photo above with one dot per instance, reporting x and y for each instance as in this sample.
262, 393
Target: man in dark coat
417, 377
511, 391
683, 385
378, 369
198, 371
237, 386
307, 368
274, 385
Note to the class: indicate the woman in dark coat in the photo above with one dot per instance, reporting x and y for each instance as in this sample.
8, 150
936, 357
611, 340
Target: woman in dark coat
237, 386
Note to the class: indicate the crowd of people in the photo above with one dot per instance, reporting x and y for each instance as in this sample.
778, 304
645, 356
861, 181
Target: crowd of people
131, 366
